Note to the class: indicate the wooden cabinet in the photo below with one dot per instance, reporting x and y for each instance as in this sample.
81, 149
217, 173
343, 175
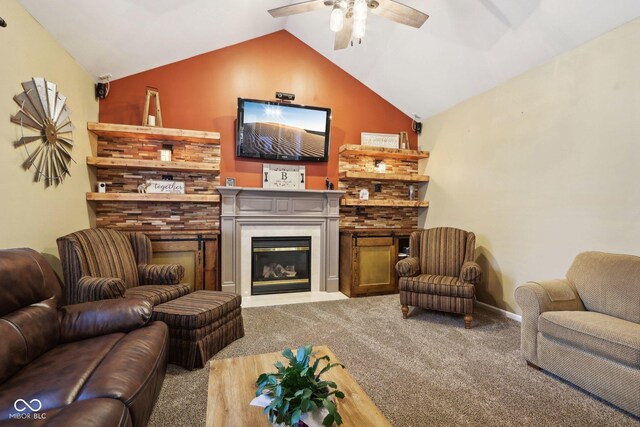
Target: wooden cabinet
368, 259
198, 255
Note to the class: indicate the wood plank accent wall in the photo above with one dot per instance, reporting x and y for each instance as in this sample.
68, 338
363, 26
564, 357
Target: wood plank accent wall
157, 217
378, 217
356, 166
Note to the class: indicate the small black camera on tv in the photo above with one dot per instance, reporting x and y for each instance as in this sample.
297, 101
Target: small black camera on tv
285, 96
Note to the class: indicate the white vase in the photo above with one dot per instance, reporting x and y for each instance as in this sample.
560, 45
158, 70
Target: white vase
311, 419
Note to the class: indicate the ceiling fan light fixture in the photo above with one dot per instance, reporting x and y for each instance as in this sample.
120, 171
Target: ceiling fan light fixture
359, 28
336, 21
360, 9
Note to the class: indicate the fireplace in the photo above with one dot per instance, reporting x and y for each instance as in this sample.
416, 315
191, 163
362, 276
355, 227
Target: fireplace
280, 264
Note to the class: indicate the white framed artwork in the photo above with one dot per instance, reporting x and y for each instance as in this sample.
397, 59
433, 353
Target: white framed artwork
289, 177
386, 140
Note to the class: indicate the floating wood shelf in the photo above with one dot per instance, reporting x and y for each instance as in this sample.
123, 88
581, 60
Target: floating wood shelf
121, 163
383, 176
383, 152
392, 203
148, 197
146, 133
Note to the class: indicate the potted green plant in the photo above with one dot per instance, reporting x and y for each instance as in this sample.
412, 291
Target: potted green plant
297, 389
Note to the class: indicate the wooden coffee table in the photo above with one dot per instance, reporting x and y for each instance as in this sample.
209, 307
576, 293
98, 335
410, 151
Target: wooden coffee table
232, 385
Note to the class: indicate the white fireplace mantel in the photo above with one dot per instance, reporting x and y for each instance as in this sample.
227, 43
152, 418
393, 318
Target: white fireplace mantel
262, 212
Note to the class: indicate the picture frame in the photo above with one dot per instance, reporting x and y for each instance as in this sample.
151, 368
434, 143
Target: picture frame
230, 182
277, 176
386, 140
164, 187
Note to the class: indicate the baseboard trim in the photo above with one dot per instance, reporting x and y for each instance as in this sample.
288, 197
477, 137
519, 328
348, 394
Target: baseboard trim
505, 313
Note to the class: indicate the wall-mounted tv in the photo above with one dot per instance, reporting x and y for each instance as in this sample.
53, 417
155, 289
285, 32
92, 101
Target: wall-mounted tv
279, 131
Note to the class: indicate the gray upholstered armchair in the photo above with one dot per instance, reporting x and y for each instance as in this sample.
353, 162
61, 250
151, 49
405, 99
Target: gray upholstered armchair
100, 263
586, 328
440, 273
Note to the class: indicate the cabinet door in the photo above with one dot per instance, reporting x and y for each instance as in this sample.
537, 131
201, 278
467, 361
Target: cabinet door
375, 261
187, 253
211, 265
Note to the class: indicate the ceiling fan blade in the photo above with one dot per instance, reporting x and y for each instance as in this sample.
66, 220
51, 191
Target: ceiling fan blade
400, 13
343, 37
294, 9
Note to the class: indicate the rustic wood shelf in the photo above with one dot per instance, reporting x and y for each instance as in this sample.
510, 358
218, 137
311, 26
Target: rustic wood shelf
148, 197
392, 203
146, 133
382, 152
374, 176
122, 163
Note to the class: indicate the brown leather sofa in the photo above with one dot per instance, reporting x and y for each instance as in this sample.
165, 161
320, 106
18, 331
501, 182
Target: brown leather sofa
92, 364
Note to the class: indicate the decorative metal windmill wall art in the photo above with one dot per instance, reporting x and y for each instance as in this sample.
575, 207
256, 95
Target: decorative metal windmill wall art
43, 110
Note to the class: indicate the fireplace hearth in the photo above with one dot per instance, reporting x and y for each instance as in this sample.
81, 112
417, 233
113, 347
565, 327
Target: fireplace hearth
280, 264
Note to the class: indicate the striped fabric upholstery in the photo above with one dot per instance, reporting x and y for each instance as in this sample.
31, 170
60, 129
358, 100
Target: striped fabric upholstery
437, 302
103, 254
74, 267
445, 276
155, 274
438, 285
99, 288
198, 309
108, 253
443, 251
141, 246
408, 267
200, 325
471, 272
414, 244
158, 294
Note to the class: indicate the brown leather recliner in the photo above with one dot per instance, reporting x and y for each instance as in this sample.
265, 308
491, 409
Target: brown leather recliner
101, 263
92, 364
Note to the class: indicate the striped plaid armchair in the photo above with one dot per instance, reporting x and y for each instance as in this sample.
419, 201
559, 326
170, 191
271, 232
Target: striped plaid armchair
440, 273
100, 263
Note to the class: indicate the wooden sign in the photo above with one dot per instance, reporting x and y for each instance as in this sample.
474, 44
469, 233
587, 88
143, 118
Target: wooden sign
387, 140
283, 176
164, 187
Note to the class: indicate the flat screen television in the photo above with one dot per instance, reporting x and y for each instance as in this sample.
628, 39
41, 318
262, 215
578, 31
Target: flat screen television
279, 131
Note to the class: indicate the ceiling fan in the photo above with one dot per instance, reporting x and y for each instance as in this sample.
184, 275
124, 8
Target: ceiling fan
349, 17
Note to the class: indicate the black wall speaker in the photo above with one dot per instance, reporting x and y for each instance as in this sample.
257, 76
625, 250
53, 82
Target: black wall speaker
101, 90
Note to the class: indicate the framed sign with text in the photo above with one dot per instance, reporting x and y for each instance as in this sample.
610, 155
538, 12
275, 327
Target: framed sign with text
387, 140
283, 176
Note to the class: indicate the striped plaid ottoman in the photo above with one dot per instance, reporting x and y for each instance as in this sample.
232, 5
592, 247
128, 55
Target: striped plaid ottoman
200, 324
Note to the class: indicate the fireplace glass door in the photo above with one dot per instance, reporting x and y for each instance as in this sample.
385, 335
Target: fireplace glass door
280, 264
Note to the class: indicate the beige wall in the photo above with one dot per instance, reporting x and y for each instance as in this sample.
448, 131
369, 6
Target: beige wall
30, 215
543, 166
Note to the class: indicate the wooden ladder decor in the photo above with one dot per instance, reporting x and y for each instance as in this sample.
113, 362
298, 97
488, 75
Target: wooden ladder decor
152, 92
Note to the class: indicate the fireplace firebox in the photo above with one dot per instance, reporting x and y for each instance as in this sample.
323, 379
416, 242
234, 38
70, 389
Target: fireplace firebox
280, 264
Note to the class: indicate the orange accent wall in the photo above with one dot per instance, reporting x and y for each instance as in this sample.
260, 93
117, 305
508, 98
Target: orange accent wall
201, 93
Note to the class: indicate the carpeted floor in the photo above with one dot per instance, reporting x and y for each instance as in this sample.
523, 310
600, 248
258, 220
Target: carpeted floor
424, 371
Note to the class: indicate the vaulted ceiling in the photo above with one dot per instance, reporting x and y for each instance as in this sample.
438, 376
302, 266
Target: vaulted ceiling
465, 47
